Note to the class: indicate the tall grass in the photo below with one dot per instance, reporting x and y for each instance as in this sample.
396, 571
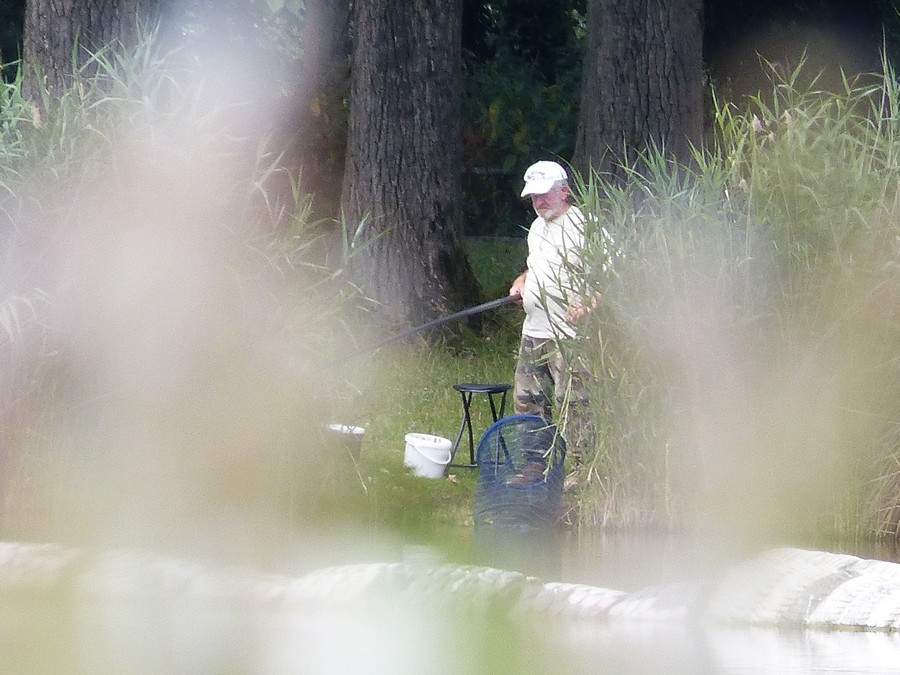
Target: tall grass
165, 316
745, 349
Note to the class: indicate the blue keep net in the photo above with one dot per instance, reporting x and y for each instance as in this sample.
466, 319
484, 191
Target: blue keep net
520, 473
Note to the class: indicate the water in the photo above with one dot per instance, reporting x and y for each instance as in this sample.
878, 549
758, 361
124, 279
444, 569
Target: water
673, 650
630, 562
165, 616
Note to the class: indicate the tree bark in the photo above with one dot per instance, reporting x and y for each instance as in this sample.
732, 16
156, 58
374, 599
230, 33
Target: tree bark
402, 173
55, 30
642, 83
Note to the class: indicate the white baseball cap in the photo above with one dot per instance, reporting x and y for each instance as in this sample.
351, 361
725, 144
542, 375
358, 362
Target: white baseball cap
542, 176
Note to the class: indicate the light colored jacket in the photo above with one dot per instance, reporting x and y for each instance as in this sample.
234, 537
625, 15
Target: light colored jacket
554, 251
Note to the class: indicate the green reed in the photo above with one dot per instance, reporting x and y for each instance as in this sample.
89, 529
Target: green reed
166, 310
745, 347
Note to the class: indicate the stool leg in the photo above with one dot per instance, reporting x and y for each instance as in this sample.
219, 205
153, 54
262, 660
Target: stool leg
502, 405
471, 433
494, 406
497, 416
463, 425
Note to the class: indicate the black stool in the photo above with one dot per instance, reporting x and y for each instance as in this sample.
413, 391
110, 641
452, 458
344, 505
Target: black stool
467, 390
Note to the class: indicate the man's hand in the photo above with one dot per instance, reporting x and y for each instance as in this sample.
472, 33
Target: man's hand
518, 286
578, 309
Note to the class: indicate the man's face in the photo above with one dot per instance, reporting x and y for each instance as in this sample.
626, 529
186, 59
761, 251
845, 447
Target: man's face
551, 204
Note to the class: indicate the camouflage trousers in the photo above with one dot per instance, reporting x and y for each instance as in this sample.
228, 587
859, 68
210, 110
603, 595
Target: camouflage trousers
546, 385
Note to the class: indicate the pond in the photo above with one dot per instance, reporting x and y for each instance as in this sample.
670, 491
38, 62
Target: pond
631, 562
133, 612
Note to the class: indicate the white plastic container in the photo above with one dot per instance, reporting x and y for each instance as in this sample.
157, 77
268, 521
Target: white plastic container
345, 438
427, 455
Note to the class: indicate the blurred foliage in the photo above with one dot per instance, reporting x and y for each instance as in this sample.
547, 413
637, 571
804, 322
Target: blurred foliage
745, 346
138, 218
240, 27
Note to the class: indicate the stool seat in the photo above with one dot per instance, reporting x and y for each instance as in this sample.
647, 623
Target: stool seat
466, 391
478, 388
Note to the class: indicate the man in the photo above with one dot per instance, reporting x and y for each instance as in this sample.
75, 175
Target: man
544, 382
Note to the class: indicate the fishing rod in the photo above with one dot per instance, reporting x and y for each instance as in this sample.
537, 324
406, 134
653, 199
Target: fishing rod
492, 304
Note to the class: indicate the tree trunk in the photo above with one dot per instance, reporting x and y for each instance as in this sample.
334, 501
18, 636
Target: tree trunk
56, 29
642, 83
402, 173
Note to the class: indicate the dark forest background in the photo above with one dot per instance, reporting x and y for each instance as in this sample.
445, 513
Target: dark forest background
521, 78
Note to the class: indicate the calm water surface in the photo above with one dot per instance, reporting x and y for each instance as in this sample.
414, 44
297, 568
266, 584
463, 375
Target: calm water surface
629, 562
117, 629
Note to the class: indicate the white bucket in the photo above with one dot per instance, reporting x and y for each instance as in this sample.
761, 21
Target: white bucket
427, 455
